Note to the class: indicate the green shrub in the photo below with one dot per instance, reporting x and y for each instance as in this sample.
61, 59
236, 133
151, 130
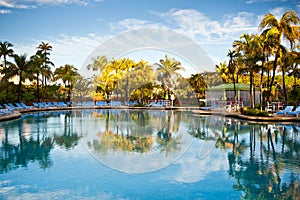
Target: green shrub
255, 112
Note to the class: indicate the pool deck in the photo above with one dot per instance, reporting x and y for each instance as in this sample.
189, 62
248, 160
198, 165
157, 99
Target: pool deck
194, 110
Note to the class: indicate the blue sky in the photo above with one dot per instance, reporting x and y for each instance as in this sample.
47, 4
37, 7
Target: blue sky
76, 27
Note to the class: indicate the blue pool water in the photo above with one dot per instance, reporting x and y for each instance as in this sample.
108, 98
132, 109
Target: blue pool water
139, 154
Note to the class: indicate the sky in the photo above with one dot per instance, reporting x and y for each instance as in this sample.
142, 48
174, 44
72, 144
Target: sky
76, 28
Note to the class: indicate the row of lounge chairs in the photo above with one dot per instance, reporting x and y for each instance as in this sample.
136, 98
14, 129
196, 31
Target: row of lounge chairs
22, 106
289, 111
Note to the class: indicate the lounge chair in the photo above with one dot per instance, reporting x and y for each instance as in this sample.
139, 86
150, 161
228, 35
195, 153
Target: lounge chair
9, 107
35, 104
285, 111
295, 112
25, 106
62, 104
21, 106
43, 105
55, 104
115, 103
101, 103
150, 104
158, 104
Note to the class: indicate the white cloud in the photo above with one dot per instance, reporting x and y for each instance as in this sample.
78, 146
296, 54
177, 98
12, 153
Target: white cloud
197, 25
277, 12
5, 11
14, 4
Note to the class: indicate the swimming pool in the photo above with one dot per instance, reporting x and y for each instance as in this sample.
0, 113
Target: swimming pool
146, 154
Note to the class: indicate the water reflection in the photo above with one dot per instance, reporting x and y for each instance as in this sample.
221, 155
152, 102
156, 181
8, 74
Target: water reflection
33, 137
262, 159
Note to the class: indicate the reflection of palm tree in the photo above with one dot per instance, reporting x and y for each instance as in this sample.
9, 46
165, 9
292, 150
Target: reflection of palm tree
260, 179
113, 141
27, 150
166, 142
69, 139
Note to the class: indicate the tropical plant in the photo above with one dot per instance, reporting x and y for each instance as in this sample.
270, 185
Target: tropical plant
21, 68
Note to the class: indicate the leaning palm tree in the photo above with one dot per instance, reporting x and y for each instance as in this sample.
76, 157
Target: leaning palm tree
21, 68
5, 50
285, 29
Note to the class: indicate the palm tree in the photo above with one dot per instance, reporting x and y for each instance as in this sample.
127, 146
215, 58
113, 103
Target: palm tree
38, 61
5, 50
223, 70
143, 73
99, 63
284, 29
286, 61
67, 74
44, 49
199, 84
247, 49
167, 71
23, 69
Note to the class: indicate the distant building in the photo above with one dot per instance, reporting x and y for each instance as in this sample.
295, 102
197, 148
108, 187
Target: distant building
225, 92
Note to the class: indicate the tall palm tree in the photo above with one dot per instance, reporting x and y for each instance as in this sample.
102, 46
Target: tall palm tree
67, 74
38, 61
286, 61
5, 50
21, 68
285, 29
232, 68
247, 49
44, 49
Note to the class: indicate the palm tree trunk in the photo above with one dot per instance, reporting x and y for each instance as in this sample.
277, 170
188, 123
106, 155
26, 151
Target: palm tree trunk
19, 88
6, 81
273, 76
251, 90
38, 87
260, 86
283, 84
